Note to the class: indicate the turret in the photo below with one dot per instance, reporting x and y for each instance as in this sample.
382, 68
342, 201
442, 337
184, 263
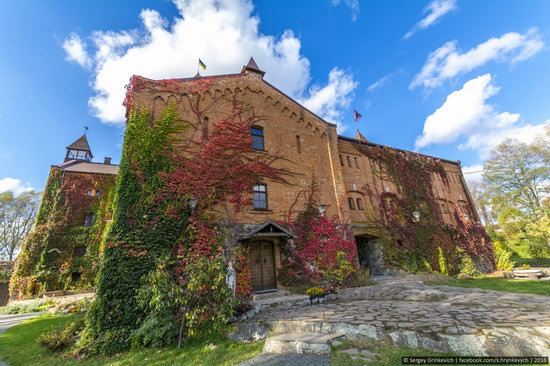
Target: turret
79, 150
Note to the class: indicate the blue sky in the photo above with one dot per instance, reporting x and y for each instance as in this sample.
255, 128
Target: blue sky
447, 78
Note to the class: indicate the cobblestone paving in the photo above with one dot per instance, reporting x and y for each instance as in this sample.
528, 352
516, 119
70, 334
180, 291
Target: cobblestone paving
468, 321
417, 305
269, 359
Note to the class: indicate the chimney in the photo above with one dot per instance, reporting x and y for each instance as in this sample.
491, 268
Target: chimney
107, 161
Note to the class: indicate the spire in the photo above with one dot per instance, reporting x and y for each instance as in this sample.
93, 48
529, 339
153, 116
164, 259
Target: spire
252, 66
359, 136
79, 150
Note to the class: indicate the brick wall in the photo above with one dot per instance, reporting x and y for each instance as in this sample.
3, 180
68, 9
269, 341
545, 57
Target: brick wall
309, 146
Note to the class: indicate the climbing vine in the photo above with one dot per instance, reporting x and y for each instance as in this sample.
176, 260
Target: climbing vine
323, 251
61, 252
423, 242
153, 219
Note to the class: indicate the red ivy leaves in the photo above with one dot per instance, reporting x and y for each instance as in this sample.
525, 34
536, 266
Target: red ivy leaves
318, 240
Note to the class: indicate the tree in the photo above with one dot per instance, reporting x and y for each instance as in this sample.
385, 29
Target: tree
518, 175
17, 215
478, 190
517, 180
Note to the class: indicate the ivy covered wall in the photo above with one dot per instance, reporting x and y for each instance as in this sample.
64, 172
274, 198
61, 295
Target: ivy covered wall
409, 222
63, 250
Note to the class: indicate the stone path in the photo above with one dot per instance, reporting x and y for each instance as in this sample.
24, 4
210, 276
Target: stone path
409, 313
269, 359
10, 320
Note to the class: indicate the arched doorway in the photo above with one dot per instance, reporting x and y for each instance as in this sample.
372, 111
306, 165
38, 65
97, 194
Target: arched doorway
369, 253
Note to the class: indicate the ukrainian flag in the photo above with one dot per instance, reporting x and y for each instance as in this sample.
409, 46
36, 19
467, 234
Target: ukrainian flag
201, 64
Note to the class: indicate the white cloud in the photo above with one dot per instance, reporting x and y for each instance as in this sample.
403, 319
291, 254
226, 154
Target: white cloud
76, 50
448, 62
379, 83
16, 186
485, 142
224, 34
328, 101
463, 110
352, 4
466, 114
434, 10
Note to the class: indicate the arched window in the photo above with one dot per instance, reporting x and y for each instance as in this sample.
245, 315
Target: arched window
359, 204
351, 203
356, 162
349, 160
341, 160
257, 134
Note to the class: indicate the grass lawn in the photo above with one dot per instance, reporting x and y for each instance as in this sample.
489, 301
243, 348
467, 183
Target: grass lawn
501, 284
386, 355
19, 346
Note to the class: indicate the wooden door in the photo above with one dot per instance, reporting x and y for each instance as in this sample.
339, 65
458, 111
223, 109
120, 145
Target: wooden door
261, 256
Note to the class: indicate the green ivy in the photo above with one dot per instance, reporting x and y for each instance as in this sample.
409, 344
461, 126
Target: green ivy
46, 261
140, 232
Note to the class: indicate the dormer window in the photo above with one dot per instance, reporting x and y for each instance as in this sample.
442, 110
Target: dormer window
257, 134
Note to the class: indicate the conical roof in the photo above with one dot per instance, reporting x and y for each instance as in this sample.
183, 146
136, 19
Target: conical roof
359, 136
81, 144
252, 66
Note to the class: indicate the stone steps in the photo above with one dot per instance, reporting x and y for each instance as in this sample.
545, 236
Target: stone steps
269, 295
275, 303
301, 343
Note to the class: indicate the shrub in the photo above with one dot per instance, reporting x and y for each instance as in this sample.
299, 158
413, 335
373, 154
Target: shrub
59, 340
362, 278
159, 298
343, 273
28, 307
442, 262
315, 291
467, 266
504, 263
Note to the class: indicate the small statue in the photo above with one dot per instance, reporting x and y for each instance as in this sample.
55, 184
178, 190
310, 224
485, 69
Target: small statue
231, 278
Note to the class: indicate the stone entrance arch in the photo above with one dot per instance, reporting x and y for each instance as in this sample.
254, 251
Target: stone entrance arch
369, 253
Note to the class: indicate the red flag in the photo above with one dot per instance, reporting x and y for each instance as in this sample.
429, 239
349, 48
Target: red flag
357, 115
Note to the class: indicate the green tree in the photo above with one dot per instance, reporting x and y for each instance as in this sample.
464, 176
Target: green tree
517, 181
518, 175
17, 215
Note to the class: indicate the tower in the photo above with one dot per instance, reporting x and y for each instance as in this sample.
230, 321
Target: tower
79, 150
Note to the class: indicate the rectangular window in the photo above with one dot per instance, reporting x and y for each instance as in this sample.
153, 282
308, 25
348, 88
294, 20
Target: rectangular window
79, 252
205, 128
349, 160
341, 160
298, 144
359, 204
257, 134
89, 220
351, 203
260, 197
356, 163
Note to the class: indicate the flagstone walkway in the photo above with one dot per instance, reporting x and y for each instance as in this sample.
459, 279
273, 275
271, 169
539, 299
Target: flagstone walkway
410, 313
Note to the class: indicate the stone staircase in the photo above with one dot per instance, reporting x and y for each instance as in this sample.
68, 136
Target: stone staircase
275, 300
301, 343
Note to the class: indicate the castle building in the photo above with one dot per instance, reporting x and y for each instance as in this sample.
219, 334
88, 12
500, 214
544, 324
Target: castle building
64, 248
361, 183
